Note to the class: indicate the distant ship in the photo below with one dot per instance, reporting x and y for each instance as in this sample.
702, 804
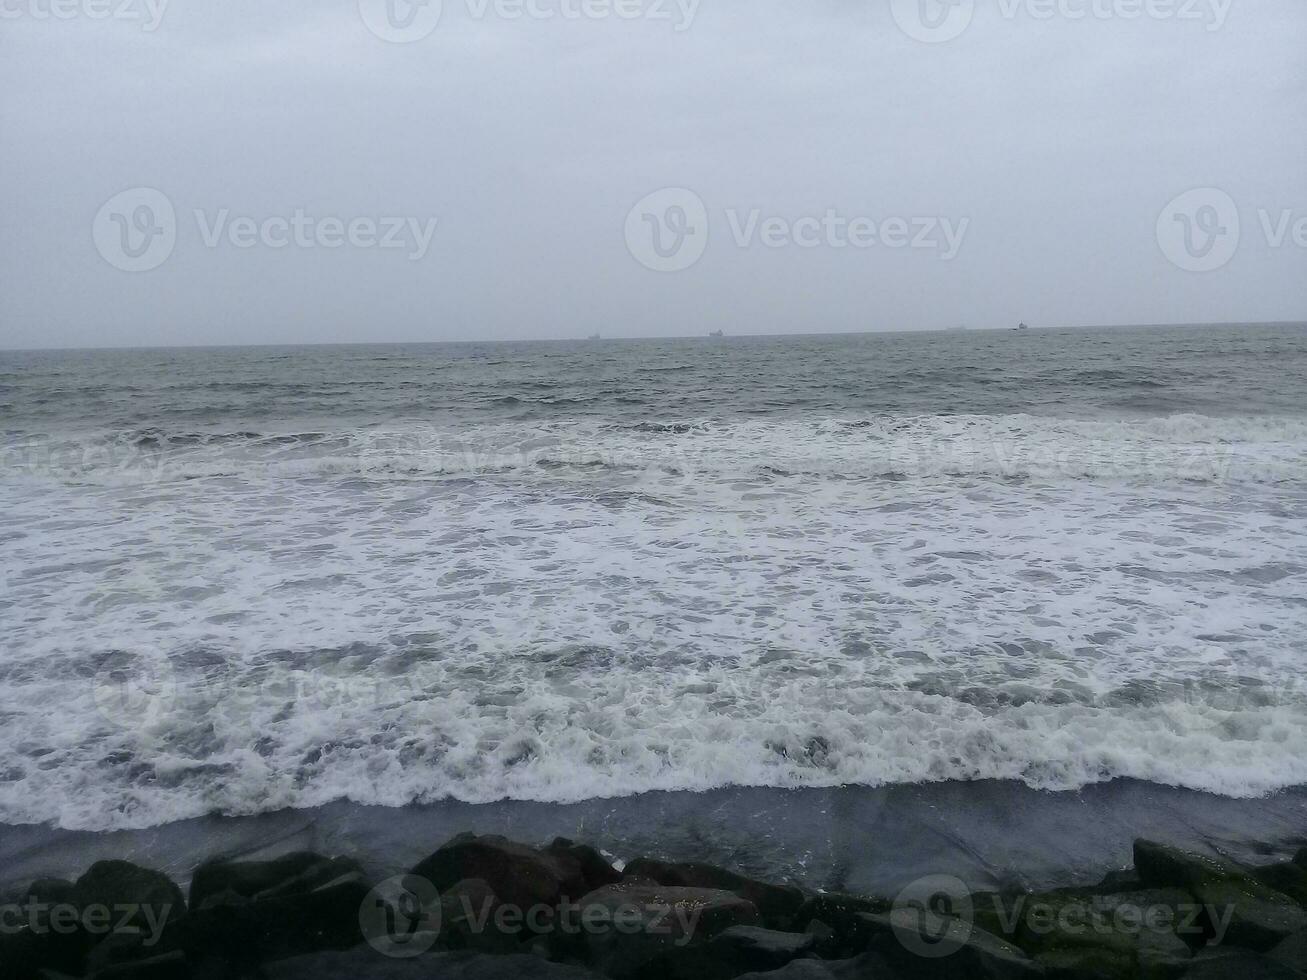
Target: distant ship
1022, 326
954, 329
594, 336
716, 333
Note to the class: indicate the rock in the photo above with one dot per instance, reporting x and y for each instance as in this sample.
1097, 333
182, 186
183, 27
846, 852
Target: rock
776, 904
736, 950
1289, 877
130, 896
1258, 917
292, 874
120, 948
1122, 880
168, 966
1239, 963
272, 928
596, 869
519, 875
868, 966
1079, 932
634, 930
366, 963
1238, 909
467, 919
26, 954
752, 947
50, 891
1087, 963
762, 949
1292, 953
918, 942
840, 930
1161, 866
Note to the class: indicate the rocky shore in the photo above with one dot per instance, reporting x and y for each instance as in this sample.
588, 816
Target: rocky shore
486, 908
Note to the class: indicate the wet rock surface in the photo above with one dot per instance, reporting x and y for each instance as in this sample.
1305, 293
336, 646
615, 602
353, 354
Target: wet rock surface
484, 908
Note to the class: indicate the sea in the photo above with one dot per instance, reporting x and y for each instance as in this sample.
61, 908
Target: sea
258, 580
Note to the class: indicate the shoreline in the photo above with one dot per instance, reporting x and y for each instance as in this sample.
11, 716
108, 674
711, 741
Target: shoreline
489, 906
988, 833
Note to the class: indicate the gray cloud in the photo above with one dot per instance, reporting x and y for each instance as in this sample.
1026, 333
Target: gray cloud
528, 140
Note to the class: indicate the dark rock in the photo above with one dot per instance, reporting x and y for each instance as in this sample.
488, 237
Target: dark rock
467, 919
519, 875
1238, 963
292, 874
366, 963
841, 932
1289, 877
1087, 963
50, 891
1161, 866
168, 966
328, 917
131, 896
776, 904
1074, 932
119, 948
25, 954
736, 950
1123, 880
918, 942
596, 869
647, 930
753, 948
868, 966
1292, 953
1239, 910
1258, 917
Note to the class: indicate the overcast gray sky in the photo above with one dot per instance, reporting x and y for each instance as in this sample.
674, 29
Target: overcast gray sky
1022, 169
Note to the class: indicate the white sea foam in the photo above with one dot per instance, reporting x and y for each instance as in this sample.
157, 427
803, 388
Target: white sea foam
560, 611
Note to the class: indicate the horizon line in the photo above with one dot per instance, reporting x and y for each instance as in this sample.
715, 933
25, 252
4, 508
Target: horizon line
695, 336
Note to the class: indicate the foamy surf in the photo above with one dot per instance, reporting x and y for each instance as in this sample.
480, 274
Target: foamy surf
210, 611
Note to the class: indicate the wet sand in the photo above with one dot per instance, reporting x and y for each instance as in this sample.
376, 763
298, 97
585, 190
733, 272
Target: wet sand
871, 840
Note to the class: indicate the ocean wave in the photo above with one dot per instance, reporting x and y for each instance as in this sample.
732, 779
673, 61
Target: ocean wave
299, 741
1180, 448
